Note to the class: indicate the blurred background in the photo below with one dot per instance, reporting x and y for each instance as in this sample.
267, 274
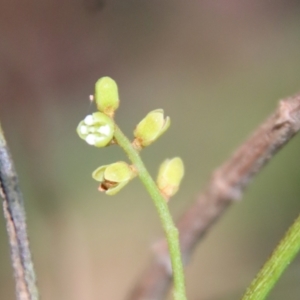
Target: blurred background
218, 68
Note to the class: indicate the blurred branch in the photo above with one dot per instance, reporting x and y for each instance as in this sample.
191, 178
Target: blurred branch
225, 187
14, 215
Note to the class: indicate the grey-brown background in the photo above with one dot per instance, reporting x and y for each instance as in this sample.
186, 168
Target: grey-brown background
218, 68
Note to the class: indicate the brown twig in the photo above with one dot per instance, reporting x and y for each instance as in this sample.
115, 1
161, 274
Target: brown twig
226, 185
14, 215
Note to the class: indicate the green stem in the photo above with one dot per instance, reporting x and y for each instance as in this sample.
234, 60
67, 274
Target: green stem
282, 256
170, 230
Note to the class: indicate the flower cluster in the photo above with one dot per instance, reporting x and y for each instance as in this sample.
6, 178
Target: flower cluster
98, 130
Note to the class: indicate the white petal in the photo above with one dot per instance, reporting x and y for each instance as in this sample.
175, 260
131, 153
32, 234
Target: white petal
89, 120
84, 129
91, 139
105, 130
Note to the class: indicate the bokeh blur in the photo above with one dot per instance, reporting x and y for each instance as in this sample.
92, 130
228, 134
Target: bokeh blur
217, 68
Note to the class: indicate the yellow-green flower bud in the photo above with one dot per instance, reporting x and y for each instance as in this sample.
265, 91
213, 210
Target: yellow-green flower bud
96, 129
114, 177
106, 95
151, 128
169, 176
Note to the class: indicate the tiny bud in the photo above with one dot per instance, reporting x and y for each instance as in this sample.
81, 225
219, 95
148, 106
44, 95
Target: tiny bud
151, 128
114, 177
169, 176
96, 129
106, 95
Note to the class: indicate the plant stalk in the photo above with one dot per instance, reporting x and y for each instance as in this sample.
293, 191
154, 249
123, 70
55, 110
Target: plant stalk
281, 257
162, 208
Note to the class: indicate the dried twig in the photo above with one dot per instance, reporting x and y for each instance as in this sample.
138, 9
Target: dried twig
14, 214
226, 185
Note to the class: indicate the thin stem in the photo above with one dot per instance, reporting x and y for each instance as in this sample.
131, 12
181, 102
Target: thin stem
282, 256
14, 214
170, 230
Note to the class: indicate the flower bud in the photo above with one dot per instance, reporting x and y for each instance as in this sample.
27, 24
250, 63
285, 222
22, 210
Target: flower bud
96, 129
151, 128
113, 177
106, 95
169, 176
